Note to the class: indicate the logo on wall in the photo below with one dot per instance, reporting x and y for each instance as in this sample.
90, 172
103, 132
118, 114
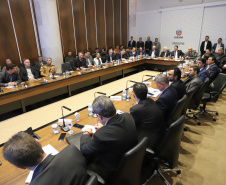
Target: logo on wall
178, 34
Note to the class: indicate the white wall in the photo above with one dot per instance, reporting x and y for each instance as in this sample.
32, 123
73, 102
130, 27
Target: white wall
49, 33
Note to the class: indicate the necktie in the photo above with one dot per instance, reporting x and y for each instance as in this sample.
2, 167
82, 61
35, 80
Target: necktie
98, 61
11, 77
165, 54
110, 58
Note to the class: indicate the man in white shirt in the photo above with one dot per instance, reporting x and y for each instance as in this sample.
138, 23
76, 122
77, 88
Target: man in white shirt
28, 72
218, 45
205, 45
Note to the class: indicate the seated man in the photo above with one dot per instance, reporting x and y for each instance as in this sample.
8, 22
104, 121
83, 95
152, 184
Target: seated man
97, 60
140, 52
201, 63
212, 68
207, 54
10, 77
168, 98
89, 59
176, 53
48, 68
8, 61
154, 52
174, 76
79, 62
111, 56
28, 72
193, 82
69, 57
122, 55
133, 52
165, 53
94, 53
190, 54
147, 116
39, 63
220, 57
115, 135
67, 167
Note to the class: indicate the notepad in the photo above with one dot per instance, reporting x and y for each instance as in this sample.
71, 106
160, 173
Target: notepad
89, 126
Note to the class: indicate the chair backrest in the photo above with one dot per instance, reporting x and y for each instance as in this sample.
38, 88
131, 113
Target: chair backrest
219, 83
189, 97
130, 168
176, 112
66, 67
170, 147
92, 180
197, 97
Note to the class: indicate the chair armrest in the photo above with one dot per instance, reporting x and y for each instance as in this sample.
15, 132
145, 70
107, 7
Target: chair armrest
150, 151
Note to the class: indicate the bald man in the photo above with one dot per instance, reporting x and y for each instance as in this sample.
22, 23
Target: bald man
190, 54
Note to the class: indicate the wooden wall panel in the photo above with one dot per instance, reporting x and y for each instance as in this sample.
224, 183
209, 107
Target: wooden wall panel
100, 18
66, 24
109, 22
7, 39
90, 24
117, 22
124, 22
24, 29
79, 19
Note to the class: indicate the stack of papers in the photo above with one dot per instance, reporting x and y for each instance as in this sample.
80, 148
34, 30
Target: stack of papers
155, 92
89, 126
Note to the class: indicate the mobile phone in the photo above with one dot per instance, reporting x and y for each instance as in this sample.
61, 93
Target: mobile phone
78, 125
62, 136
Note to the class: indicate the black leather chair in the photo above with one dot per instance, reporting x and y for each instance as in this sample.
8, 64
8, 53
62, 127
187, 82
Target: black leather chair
196, 100
92, 180
176, 112
66, 67
189, 97
130, 168
166, 156
218, 86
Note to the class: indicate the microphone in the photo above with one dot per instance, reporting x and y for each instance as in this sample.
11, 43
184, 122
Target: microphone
98, 93
127, 96
146, 75
1, 90
64, 127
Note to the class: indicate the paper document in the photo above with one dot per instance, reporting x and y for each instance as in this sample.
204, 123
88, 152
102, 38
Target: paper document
48, 149
154, 92
89, 126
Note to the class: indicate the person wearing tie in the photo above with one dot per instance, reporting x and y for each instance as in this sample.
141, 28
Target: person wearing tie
176, 53
122, 55
131, 43
165, 53
154, 53
89, 59
140, 52
97, 60
133, 52
190, 54
111, 56
140, 43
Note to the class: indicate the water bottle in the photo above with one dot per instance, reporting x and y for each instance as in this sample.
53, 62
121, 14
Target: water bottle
124, 94
90, 109
51, 76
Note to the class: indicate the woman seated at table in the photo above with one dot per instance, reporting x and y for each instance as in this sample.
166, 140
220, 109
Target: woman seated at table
97, 60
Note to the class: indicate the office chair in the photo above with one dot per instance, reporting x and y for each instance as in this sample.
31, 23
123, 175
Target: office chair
92, 180
166, 156
218, 86
176, 112
196, 100
66, 67
130, 168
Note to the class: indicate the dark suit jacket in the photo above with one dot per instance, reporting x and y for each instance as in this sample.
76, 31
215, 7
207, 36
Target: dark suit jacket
4, 78
167, 101
119, 56
203, 74
163, 54
67, 167
37, 65
24, 75
193, 84
77, 63
149, 122
209, 46
213, 71
132, 54
140, 44
215, 46
138, 52
148, 45
179, 53
156, 53
133, 44
105, 150
113, 57
180, 88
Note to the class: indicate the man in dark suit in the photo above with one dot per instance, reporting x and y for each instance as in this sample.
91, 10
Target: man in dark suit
10, 77
140, 52
154, 53
148, 45
67, 167
193, 82
133, 52
89, 59
174, 76
28, 72
97, 50
168, 98
115, 135
218, 45
165, 53
205, 45
39, 63
111, 56
220, 57
212, 68
201, 63
176, 53
147, 116
190, 54
122, 55
79, 62
131, 43
140, 43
